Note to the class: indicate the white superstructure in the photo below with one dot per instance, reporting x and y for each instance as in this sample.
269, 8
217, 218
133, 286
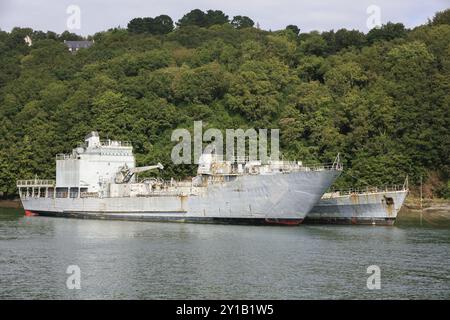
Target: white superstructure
91, 166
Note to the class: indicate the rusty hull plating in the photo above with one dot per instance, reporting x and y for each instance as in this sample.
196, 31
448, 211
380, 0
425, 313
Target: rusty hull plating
372, 207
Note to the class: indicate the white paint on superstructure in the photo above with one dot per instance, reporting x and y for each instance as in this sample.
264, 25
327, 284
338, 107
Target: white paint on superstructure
93, 163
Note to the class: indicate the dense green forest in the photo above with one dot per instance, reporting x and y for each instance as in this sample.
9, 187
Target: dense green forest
381, 99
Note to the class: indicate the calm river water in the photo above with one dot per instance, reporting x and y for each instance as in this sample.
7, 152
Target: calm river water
144, 260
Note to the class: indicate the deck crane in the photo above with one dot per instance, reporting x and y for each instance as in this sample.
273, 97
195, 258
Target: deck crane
125, 174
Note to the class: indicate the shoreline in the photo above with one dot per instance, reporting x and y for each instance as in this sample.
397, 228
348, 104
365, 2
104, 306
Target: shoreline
15, 203
434, 212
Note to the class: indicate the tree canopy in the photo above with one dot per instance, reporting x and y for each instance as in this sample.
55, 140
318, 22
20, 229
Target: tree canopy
241, 22
199, 18
159, 25
381, 99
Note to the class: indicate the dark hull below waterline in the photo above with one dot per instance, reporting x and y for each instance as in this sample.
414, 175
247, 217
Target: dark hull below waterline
202, 220
352, 221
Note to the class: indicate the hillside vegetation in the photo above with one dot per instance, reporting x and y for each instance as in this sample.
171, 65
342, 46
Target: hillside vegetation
381, 99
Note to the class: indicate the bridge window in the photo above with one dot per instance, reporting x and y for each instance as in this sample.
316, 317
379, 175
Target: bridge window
74, 192
62, 192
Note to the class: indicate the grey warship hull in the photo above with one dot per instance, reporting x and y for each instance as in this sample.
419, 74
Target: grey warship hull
370, 208
259, 199
98, 180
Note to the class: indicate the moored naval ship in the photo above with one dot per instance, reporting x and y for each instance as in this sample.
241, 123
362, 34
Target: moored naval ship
373, 206
98, 180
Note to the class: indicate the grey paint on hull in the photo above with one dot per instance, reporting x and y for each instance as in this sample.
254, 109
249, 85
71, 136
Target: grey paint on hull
276, 196
364, 208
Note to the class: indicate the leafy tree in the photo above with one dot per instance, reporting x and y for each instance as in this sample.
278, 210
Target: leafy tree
347, 38
436, 38
312, 68
216, 17
281, 46
195, 17
136, 25
107, 106
344, 77
66, 35
15, 40
255, 91
162, 24
190, 36
386, 32
240, 22
200, 85
199, 18
314, 44
441, 17
294, 29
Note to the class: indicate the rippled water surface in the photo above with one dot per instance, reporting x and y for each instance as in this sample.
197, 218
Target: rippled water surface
144, 260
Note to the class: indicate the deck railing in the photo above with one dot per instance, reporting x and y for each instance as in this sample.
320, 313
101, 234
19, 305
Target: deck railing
35, 183
65, 156
320, 166
367, 190
114, 143
282, 165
